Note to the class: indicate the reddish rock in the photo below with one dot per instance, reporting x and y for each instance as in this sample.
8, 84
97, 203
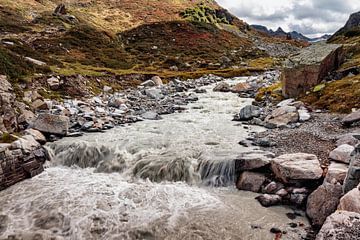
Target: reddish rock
308, 68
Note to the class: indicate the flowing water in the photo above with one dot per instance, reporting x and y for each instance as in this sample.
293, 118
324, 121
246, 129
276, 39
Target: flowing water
166, 179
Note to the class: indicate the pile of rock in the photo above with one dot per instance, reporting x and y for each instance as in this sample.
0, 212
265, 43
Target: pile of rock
248, 88
288, 113
21, 159
287, 179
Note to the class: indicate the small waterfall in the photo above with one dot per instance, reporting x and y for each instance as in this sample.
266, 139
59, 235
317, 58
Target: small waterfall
217, 173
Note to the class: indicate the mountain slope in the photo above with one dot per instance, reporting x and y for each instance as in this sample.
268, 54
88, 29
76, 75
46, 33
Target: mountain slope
103, 38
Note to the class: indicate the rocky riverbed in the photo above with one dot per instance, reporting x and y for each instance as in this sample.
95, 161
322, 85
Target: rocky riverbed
98, 185
130, 156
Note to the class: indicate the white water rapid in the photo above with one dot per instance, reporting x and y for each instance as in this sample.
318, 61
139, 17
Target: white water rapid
167, 179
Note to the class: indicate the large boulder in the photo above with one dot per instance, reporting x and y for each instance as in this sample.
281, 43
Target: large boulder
51, 124
283, 116
253, 160
341, 225
353, 175
342, 153
250, 181
351, 201
323, 202
298, 166
309, 67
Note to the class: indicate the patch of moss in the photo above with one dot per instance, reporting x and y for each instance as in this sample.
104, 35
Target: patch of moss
267, 62
337, 96
7, 138
206, 14
273, 91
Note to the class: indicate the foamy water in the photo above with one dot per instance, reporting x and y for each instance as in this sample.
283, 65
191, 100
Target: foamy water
149, 180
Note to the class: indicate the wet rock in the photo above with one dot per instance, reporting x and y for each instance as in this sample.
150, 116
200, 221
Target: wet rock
116, 102
298, 166
340, 225
309, 67
250, 181
222, 87
267, 200
253, 160
282, 193
264, 142
342, 153
351, 201
37, 135
248, 112
351, 118
273, 188
298, 199
200, 90
52, 124
336, 172
323, 202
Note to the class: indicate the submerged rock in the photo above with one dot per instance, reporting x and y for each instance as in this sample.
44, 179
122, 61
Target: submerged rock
267, 200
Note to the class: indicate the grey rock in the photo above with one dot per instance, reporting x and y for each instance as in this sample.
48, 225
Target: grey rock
249, 112
253, 160
341, 225
52, 124
351, 118
336, 173
222, 87
267, 200
347, 139
353, 175
150, 115
351, 201
154, 93
342, 153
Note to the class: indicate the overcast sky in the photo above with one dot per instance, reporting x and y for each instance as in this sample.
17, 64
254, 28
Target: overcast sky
310, 17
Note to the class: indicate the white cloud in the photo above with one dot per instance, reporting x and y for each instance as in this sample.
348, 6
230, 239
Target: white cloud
311, 17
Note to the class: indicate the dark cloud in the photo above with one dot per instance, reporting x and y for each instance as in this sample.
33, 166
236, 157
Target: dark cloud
305, 16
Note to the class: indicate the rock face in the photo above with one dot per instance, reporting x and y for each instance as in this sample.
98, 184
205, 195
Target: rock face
341, 225
308, 68
8, 121
298, 166
52, 124
22, 159
250, 181
351, 201
353, 175
342, 153
323, 202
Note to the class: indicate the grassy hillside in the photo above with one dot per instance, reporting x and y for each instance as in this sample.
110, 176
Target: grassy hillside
102, 38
